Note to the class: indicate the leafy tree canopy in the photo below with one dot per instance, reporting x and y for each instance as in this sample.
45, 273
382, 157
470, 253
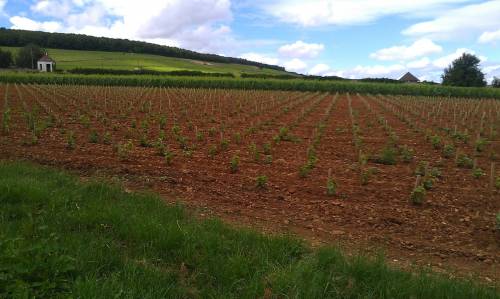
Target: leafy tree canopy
464, 71
5, 59
28, 56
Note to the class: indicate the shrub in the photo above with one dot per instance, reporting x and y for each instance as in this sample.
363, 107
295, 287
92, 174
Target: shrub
212, 150
436, 141
266, 148
477, 173
387, 157
261, 182
212, 131
331, 187
6, 121
169, 156
94, 137
254, 152
106, 139
268, 159
464, 161
162, 122
234, 164
70, 140
224, 144
199, 136
481, 143
144, 142
176, 129
124, 149
418, 195
407, 154
448, 150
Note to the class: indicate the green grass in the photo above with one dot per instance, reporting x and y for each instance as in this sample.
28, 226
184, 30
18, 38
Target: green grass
251, 84
71, 59
63, 238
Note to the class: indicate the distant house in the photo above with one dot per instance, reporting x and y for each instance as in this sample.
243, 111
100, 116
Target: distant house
46, 64
409, 78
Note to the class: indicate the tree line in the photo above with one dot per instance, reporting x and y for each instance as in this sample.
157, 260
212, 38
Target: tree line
26, 57
71, 41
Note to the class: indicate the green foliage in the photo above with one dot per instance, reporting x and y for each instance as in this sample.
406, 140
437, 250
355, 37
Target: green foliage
70, 140
366, 174
436, 142
212, 131
35, 267
28, 56
449, 151
176, 130
64, 238
331, 187
5, 59
495, 83
212, 150
480, 144
199, 136
498, 221
254, 152
463, 161
261, 181
224, 144
266, 148
169, 156
477, 173
388, 156
407, 154
418, 195
162, 122
6, 121
234, 164
93, 137
464, 71
124, 149
253, 84
106, 138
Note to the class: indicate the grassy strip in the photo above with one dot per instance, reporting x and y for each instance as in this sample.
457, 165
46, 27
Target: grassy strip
63, 238
265, 84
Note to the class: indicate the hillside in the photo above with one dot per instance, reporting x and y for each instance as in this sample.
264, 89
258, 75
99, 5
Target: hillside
70, 59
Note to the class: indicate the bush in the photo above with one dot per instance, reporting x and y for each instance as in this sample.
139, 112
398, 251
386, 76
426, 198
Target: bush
261, 182
234, 164
418, 195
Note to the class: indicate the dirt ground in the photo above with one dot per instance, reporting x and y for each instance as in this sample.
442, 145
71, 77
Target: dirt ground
453, 231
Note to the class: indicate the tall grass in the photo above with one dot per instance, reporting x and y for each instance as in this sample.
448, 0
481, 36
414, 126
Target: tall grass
63, 238
265, 84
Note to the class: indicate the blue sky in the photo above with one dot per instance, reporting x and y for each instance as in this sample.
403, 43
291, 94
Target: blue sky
350, 38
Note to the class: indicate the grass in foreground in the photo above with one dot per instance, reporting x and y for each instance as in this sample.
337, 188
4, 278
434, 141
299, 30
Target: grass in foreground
63, 238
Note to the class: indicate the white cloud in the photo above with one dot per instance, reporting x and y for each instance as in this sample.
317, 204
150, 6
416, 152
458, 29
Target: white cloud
349, 12
295, 65
489, 36
461, 22
378, 70
419, 48
445, 61
28, 24
200, 25
319, 69
418, 64
260, 58
299, 49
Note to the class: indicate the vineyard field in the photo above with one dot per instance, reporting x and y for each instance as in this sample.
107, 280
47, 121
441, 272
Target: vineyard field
418, 176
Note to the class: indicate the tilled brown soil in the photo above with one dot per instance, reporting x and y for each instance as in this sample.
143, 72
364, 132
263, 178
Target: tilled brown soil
453, 231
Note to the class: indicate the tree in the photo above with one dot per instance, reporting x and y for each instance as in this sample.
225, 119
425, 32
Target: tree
496, 82
5, 59
464, 71
28, 56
